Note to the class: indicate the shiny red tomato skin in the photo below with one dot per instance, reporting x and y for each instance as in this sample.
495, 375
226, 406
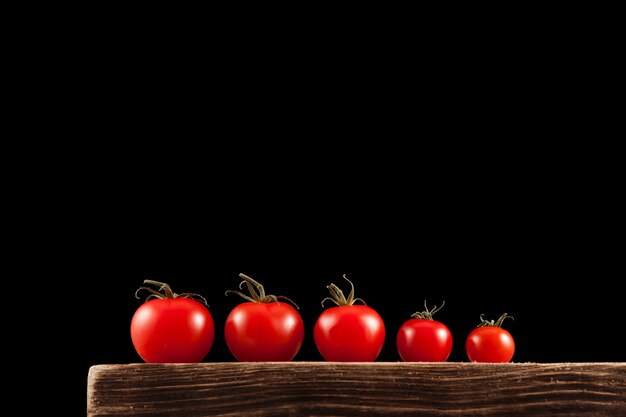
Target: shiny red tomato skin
422, 340
268, 332
490, 344
175, 330
354, 333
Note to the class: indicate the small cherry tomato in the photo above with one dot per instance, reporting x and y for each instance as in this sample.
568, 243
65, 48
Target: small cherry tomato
170, 327
489, 342
422, 339
348, 333
263, 329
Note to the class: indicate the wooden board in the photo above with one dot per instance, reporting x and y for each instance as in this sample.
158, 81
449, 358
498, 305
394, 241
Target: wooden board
357, 389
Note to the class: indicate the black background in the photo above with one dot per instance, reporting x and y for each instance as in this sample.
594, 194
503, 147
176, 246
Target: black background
544, 261
444, 190
480, 172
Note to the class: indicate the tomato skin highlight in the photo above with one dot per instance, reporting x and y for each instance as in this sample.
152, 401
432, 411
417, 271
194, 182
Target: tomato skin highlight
490, 344
174, 330
423, 340
268, 332
351, 333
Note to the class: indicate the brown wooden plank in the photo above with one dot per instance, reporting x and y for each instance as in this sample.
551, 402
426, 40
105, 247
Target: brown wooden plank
363, 389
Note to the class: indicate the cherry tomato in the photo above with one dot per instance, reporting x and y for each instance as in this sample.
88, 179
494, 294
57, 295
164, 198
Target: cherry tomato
263, 329
422, 339
489, 342
348, 333
171, 327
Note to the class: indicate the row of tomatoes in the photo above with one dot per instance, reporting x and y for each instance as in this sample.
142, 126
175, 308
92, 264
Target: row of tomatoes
172, 327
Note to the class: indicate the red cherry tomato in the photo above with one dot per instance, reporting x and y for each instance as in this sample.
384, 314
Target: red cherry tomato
171, 327
348, 333
422, 339
489, 342
263, 329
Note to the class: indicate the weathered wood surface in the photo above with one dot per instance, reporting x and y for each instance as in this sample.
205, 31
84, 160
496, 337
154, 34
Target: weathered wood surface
363, 389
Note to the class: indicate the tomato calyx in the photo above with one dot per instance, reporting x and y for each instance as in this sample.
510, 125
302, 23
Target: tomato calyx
427, 315
492, 323
257, 292
167, 293
337, 297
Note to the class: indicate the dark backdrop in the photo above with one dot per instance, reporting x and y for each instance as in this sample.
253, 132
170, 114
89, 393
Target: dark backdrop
485, 182
537, 245
558, 285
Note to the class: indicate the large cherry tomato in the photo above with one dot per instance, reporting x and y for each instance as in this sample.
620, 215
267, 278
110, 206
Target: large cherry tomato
422, 339
263, 329
489, 342
348, 333
171, 328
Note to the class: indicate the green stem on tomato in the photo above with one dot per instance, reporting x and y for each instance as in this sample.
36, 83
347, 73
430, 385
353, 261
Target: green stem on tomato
162, 287
168, 293
337, 296
427, 315
257, 292
492, 323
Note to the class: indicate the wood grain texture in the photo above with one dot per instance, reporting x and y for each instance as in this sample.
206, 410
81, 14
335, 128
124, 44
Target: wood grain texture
357, 389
